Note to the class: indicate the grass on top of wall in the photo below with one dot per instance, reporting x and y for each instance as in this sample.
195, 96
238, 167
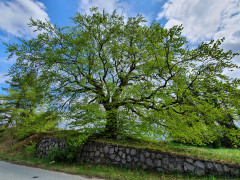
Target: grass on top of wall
222, 154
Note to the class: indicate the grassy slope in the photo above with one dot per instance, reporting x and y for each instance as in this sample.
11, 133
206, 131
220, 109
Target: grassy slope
221, 155
19, 154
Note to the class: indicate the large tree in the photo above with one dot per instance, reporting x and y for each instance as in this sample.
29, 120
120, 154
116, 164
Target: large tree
122, 73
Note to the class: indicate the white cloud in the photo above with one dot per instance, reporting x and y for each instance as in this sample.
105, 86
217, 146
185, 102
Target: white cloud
15, 14
7, 62
205, 20
122, 8
3, 78
108, 5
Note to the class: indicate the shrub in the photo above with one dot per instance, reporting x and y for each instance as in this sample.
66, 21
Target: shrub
71, 151
30, 150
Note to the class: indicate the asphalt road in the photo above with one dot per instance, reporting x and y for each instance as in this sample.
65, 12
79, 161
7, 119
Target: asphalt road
10, 171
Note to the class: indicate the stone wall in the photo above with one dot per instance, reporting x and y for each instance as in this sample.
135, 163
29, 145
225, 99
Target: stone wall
44, 146
101, 153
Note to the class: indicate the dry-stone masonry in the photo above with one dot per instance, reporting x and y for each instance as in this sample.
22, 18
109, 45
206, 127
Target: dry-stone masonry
44, 146
101, 153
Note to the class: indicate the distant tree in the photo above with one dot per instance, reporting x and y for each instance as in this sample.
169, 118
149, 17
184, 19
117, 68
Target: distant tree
218, 111
22, 108
125, 77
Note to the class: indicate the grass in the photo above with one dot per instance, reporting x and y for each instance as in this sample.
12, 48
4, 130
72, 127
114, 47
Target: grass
22, 152
93, 170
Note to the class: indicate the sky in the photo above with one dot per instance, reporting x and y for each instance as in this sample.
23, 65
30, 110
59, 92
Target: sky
202, 20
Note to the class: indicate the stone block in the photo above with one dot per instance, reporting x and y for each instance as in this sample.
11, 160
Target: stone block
219, 168
136, 159
199, 164
111, 151
91, 154
165, 160
142, 158
188, 167
158, 163
158, 156
129, 158
165, 166
153, 155
120, 153
209, 165
106, 149
171, 167
120, 148
112, 156
147, 154
97, 153
102, 155
133, 152
149, 162
179, 167
117, 158
97, 160
123, 161
179, 160
189, 160
226, 169
200, 171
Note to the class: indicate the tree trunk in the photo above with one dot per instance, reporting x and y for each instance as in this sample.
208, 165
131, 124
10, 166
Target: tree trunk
111, 129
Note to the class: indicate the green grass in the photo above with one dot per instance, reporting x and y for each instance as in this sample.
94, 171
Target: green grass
93, 170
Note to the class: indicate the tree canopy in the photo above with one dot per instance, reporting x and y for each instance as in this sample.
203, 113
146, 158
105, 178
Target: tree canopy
122, 76
24, 108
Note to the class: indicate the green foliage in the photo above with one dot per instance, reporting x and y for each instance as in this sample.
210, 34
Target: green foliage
33, 123
29, 151
71, 151
25, 107
122, 77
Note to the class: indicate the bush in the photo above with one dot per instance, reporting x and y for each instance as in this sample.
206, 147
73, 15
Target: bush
69, 154
72, 150
30, 151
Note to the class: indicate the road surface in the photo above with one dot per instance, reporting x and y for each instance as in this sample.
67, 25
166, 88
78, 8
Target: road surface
10, 171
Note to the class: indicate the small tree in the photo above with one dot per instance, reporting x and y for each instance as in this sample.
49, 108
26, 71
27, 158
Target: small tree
22, 107
123, 75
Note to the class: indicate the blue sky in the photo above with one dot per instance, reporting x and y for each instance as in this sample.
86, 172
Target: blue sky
203, 20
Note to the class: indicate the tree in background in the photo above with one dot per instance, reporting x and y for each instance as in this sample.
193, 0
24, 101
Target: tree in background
124, 77
219, 111
22, 108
